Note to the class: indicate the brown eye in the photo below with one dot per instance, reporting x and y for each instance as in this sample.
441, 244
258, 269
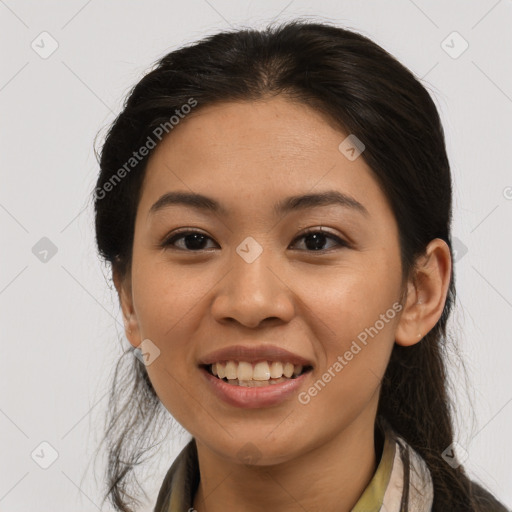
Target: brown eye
316, 238
192, 241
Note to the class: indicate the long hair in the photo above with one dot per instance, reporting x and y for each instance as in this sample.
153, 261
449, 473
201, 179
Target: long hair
365, 91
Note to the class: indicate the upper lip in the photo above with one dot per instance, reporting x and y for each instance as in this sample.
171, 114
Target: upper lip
252, 354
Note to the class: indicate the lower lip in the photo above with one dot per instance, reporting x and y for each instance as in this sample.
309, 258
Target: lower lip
252, 398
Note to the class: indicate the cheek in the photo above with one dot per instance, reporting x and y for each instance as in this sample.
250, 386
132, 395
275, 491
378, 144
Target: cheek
347, 299
162, 297
356, 360
165, 305
354, 320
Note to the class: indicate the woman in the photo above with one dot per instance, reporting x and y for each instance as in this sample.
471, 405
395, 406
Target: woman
276, 209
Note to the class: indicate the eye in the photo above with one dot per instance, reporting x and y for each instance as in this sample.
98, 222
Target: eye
193, 240
316, 237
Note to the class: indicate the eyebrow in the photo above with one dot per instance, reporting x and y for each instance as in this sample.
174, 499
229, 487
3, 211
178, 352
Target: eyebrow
293, 203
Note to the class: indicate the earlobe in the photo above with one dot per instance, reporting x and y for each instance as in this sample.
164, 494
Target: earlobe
426, 294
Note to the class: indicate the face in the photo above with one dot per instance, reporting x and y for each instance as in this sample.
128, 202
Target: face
258, 276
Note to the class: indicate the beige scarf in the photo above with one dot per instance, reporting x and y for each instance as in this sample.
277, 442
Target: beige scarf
410, 487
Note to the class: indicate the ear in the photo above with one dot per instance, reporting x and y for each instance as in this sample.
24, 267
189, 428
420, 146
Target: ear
426, 293
124, 290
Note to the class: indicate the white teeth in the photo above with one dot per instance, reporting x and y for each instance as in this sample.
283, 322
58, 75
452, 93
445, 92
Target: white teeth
262, 372
230, 370
244, 371
276, 369
220, 370
257, 383
288, 370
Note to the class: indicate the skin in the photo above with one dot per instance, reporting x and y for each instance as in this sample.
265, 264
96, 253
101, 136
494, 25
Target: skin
188, 302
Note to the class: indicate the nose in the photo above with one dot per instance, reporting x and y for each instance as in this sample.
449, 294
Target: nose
252, 293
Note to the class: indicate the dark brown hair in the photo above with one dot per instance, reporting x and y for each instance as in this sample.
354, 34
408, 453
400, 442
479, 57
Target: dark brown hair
366, 92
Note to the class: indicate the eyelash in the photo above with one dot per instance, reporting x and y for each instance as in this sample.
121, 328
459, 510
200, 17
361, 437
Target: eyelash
168, 242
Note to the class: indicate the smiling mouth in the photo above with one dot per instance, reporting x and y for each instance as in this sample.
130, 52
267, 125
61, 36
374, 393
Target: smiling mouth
262, 374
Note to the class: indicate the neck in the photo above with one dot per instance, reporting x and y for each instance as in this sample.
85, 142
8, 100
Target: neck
331, 476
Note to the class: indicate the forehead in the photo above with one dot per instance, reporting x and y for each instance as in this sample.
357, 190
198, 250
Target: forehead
251, 155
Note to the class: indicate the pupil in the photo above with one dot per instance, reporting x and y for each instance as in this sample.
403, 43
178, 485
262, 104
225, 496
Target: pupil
197, 241
318, 239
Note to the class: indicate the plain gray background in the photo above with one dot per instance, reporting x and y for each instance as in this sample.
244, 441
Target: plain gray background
61, 329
